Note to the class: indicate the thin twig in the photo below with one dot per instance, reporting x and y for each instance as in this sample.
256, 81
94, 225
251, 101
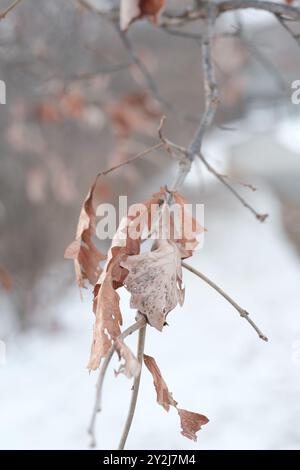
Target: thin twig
258, 55
132, 159
4, 13
135, 388
243, 313
211, 101
99, 387
150, 82
223, 179
149, 79
103, 70
260, 217
169, 146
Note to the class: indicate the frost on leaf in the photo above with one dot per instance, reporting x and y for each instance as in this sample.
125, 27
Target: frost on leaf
131, 10
190, 422
82, 250
155, 282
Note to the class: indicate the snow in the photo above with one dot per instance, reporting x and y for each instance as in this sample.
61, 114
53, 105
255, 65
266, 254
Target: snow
211, 359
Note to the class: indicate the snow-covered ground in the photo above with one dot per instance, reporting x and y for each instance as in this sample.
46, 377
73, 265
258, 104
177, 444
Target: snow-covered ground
211, 359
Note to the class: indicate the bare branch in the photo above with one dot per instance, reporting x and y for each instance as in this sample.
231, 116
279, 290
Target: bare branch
4, 13
210, 87
150, 82
170, 146
211, 101
135, 388
132, 159
243, 313
221, 178
272, 7
140, 323
222, 6
257, 54
184, 168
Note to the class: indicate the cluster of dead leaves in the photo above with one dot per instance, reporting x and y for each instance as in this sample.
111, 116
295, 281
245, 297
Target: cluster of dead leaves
131, 10
153, 278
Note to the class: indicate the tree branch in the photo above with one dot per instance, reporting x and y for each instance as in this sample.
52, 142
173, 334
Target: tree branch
243, 313
132, 159
135, 388
4, 13
222, 179
222, 6
210, 87
140, 323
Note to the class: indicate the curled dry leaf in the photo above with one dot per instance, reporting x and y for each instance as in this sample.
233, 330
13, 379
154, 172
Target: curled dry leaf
131, 10
106, 299
189, 228
82, 250
190, 422
155, 282
5, 279
164, 397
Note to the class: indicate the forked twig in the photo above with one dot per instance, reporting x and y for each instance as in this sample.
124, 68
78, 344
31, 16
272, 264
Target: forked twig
243, 313
222, 179
139, 324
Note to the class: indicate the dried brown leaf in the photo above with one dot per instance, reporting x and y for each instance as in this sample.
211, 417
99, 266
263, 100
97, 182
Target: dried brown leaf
190, 422
189, 228
106, 299
107, 323
131, 10
82, 250
155, 282
164, 397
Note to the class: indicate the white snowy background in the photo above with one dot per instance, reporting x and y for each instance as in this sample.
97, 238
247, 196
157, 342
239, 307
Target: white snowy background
211, 359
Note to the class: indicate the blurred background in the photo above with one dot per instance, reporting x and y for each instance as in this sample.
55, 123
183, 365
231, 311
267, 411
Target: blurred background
76, 104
